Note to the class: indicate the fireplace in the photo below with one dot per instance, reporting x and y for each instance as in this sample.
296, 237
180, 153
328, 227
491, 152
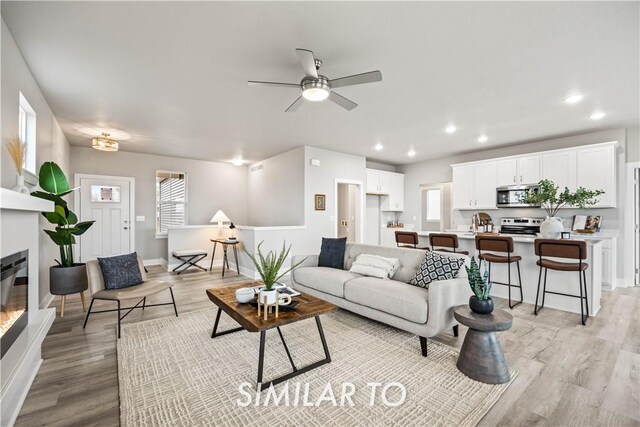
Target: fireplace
14, 294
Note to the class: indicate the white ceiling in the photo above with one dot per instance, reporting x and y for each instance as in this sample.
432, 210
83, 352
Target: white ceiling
173, 75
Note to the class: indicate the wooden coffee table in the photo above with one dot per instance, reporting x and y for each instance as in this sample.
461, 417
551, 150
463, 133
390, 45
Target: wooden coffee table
481, 357
247, 316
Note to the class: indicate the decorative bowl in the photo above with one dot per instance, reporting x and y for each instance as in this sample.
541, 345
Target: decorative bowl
245, 295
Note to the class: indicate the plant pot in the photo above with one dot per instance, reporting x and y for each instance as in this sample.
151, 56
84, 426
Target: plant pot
68, 280
480, 306
270, 296
551, 227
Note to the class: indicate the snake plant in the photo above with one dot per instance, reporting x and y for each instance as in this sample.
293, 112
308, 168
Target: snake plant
478, 280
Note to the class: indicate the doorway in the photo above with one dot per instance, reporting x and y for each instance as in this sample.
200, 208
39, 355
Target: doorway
348, 210
435, 206
110, 202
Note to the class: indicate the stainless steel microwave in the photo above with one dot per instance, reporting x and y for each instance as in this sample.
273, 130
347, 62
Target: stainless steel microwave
514, 196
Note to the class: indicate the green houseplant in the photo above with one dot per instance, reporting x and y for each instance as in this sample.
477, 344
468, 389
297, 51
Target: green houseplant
551, 199
480, 302
268, 267
67, 277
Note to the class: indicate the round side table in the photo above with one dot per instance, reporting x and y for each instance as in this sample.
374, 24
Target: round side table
481, 357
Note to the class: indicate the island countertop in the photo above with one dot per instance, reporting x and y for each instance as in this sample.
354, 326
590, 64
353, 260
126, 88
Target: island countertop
518, 238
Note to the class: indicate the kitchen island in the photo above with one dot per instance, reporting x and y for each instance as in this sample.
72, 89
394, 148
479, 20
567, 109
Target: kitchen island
557, 281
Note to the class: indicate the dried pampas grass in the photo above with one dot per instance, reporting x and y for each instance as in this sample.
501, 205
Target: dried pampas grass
17, 150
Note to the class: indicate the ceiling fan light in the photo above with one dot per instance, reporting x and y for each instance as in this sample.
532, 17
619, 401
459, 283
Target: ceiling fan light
103, 143
315, 94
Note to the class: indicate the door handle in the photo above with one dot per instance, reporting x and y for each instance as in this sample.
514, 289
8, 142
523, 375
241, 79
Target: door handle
520, 179
514, 179
126, 228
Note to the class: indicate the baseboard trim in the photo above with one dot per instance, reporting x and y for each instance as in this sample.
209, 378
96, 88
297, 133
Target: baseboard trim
46, 302
155, 261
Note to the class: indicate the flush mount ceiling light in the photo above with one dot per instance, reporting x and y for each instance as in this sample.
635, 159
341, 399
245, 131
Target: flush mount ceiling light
450, 129
378, 147
597, 115
103, 143
574, 98
411, 153
483, 138
237, 161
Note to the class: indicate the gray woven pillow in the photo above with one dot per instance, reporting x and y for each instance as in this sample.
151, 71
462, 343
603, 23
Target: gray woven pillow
120, 271
436, 267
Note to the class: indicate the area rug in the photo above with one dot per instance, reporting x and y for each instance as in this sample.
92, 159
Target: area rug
171, 373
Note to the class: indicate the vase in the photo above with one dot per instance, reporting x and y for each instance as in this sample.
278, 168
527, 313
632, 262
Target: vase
20, 187
480, 306
270, 296
551, 227
68, 280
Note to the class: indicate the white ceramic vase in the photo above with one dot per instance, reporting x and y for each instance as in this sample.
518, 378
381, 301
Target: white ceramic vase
551, 227
20, 187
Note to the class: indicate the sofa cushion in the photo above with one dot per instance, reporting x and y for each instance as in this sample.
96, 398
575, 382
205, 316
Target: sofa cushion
332, 253
324, 279
410, 259
436, 267
375, 266
389, 296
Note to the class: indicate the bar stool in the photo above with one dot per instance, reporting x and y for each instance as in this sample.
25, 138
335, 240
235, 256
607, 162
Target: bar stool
500, 244
407, 239
569, 249
442, 240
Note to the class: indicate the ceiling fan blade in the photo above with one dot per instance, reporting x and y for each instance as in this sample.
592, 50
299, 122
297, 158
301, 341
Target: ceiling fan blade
357, 79
308, 62
293, 107
257, 83
342, 101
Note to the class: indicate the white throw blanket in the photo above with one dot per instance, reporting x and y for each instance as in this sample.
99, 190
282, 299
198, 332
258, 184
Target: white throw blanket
375, 266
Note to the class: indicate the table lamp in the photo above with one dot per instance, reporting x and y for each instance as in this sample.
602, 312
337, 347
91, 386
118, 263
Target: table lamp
220, 217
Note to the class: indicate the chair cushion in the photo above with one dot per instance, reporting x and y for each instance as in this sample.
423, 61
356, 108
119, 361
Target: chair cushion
324, 279
562, 266
189, 252
134, 292
375, 266
120, 271
332, 253
389, 296
436, 266
499, 258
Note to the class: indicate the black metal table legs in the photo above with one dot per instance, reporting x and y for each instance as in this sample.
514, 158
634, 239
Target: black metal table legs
263, 337
225, 259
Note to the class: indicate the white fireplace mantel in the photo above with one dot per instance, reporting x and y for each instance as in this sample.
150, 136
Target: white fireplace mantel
19, 226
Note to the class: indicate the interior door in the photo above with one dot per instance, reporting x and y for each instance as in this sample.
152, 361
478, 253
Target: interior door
107, 202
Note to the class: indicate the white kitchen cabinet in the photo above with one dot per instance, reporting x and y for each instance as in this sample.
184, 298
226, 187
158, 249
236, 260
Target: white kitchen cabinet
378, 182
394, 202
595, 168
560, 167
474, 186
528, 169
507, 172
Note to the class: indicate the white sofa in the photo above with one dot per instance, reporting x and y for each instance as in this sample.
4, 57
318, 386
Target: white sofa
423, 312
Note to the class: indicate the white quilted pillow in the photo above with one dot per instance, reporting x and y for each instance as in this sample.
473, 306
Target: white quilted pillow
375, 266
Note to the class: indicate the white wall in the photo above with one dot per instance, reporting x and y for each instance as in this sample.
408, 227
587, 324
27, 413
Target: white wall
51, 144
210, 185
633, 144
380, 166
439, 170
276, 192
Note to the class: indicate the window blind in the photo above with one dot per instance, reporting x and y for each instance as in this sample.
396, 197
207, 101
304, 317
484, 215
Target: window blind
171, 200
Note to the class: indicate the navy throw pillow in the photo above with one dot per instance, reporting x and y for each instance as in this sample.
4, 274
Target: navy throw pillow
332, 253
120, 271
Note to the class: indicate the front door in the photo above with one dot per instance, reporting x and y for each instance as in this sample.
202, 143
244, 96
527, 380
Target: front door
107, 202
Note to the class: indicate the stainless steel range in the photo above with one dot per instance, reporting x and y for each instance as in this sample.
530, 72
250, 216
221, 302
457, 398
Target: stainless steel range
520, 226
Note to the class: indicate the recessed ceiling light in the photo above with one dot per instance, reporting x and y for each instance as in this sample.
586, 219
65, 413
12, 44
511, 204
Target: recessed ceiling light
483, 138
378, 147
450, 129
573, 98
237, 161
597, 115
411, 153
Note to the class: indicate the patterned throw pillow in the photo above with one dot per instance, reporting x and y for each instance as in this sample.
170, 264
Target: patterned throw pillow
436, 267
120, 271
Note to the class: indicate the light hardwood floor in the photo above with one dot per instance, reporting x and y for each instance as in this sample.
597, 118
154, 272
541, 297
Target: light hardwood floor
569, 374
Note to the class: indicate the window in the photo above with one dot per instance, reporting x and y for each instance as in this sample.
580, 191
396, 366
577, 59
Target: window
433, 204
27, 133
171, 200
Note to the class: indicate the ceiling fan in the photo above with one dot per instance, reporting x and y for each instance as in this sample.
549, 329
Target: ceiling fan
316, 87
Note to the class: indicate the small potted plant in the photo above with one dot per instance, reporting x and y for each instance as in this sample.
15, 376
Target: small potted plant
552, 200
268, 268
67, 277
480, 302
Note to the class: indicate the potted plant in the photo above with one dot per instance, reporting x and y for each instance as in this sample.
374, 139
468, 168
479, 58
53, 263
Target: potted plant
67, 277
480, 302
552, 200
268, 268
